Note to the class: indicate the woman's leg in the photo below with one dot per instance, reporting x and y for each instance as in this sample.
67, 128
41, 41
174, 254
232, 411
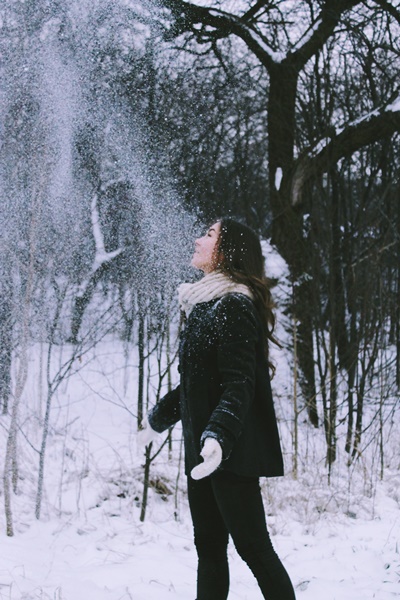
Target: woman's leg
240, 503
211, 541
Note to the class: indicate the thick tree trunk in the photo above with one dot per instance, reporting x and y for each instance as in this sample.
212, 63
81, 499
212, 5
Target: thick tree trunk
287, 225
281, 121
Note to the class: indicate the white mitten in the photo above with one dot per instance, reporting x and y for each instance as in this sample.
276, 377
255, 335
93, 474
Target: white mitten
212, 455
146, 435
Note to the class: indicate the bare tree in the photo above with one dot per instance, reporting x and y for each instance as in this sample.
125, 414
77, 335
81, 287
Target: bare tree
100, 327
11, 458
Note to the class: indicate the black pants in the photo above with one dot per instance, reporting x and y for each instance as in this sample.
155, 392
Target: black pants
226, 504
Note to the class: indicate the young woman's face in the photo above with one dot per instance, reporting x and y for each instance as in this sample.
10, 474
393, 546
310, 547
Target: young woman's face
205, 250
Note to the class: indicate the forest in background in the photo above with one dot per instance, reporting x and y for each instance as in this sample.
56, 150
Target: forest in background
128, 126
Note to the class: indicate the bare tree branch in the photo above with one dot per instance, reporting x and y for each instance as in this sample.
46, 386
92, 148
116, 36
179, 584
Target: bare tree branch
389, 8
252, 12
186, 16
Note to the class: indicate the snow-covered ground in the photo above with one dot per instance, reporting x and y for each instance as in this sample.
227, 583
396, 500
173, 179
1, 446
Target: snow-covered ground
338, 541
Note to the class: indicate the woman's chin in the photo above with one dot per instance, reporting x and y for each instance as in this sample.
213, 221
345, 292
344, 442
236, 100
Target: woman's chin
194, 263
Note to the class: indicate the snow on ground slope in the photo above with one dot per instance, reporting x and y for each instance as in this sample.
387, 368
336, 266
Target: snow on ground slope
338, 542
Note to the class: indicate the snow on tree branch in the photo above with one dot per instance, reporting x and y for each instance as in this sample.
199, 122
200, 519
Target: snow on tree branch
378, 124
307, 36
320, 31
101, 255
394, 106
260, 46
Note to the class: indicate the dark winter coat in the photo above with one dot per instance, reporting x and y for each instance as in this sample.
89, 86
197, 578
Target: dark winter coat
224, 390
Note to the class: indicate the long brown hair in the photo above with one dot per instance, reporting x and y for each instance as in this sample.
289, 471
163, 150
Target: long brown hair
240, 257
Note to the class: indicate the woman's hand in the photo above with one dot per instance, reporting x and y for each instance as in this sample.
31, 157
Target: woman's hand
212, 455
146, 435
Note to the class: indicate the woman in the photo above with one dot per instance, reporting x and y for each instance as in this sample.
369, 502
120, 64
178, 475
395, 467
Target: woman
225, 404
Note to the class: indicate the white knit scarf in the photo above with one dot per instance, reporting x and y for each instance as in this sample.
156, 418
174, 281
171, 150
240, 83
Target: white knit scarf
212, 286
